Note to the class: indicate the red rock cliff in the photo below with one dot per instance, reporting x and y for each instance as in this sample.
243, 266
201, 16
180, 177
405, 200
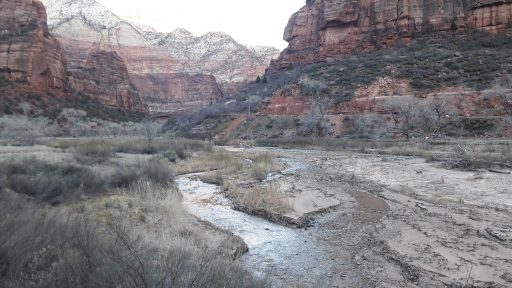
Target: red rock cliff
29, 55
178, 86
337, 28
104, 76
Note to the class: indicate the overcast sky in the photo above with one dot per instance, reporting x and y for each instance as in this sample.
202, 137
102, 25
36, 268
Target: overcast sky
252, 22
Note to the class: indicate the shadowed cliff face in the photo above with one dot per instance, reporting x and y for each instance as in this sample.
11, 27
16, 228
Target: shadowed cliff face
29, 55
104, 76
337, 28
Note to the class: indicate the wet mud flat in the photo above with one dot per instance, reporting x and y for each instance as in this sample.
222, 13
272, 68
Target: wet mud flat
378, 222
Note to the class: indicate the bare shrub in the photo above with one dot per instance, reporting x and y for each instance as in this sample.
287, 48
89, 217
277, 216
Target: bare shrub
59, 248
155, 171
180, 146
503, 90
50, 182
92, 152
368, 126
23, 129
75, 122
149, 131
317, 122
412, 117
170, 155
405, 114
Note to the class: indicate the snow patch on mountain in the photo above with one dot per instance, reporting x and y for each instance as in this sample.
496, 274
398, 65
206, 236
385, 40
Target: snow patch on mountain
215, 53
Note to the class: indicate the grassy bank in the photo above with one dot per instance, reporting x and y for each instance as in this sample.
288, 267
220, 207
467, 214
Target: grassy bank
452, 152
242, 178
85, 215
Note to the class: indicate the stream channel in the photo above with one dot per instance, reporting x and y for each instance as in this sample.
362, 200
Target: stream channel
285, 255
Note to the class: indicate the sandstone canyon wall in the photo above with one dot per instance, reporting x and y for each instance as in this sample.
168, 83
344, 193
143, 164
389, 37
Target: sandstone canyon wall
33, 61
337, 28
179, 86
29, 55
104, 76
175, 66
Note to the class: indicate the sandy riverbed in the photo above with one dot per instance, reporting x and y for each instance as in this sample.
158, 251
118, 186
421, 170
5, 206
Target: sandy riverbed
391, 221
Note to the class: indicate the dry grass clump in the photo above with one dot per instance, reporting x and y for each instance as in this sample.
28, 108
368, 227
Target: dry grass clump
92, 152
154, 170
262, 165
210, 161
136, 235
265, 200
469, 157
134, 145
179, 146
212, 177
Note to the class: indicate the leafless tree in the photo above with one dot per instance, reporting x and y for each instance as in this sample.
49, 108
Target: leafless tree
502, 90
405, 115
149, 130
504, 93
434, 115
74, 121
320, 103
368, 126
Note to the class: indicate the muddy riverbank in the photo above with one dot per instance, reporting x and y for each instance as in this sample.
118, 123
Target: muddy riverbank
385, 221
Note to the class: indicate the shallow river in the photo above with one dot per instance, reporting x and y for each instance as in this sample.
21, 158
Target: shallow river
284, 254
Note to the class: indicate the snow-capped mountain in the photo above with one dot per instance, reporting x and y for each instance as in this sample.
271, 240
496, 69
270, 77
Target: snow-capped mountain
215, 53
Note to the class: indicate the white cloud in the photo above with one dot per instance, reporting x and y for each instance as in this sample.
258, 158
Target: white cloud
249, 22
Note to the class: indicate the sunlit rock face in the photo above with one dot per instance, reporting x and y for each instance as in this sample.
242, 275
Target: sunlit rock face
338, 28
156, 61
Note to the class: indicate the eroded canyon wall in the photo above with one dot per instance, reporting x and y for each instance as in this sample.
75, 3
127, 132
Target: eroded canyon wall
29, 55
338, 28
104, 76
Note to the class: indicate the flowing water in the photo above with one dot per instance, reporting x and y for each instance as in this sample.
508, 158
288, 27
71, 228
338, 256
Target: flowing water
284, 254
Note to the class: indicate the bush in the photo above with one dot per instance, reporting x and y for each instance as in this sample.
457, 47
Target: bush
477, 125
92, 152
56, 248
155, 171
50, 182
170, 155
24, 130
180, 146
56, 182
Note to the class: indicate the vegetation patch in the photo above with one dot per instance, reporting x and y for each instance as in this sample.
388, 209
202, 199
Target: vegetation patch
50, 182
92, 152
264, 200
112, 243
54, 182
262, 165
472, 60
